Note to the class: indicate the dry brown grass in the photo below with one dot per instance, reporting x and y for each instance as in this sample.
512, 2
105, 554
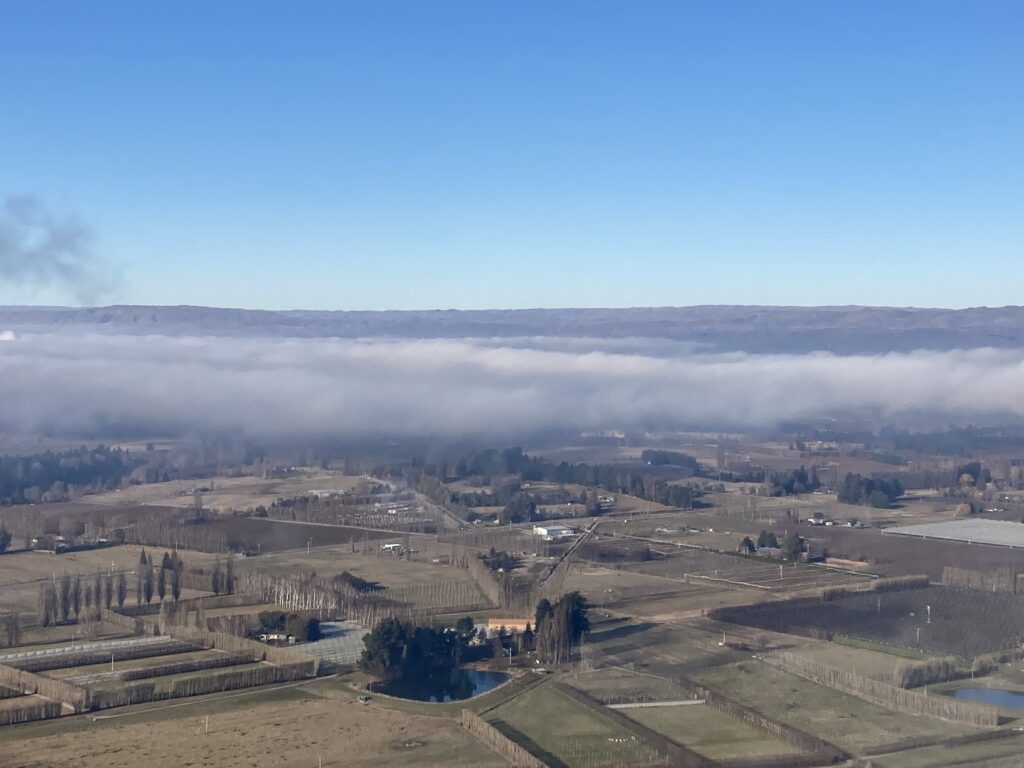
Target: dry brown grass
22, 572
293, 727
228, 492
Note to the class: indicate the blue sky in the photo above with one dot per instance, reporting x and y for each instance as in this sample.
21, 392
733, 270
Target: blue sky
400, 155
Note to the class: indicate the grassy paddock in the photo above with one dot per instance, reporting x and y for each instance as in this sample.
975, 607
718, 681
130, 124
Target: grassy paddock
618, 686
844, 720
300, 725
563, 732
867, 645
942, 756
713, 734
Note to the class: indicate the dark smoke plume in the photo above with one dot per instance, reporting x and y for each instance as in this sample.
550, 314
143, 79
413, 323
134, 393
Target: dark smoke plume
43, 249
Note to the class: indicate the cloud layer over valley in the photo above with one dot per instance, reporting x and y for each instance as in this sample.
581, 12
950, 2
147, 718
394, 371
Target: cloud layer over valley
81, 382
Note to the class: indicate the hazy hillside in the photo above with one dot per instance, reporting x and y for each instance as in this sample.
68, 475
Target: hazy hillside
844, 330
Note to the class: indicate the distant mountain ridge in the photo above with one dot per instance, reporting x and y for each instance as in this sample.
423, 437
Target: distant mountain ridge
770, 329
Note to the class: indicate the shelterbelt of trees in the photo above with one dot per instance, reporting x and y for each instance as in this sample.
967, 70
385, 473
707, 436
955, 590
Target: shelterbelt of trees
396, 648
786, 483
520, 504
871, 492
57, 476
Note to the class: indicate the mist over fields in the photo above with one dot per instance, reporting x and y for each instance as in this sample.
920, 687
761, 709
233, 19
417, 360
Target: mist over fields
204, 374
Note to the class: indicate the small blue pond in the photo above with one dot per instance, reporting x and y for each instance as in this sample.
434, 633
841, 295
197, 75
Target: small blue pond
449, 685
997, 697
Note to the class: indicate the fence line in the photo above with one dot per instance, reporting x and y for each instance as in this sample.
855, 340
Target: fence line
998, 580
515, 754
680, 755
819, 748
57, 690
234, 644
886, 695
85, 647
27, 713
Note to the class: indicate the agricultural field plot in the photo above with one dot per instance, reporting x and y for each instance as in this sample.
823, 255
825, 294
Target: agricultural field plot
24, 568
71, 655
682, 604
58, 650
666, 650
905, 555
873, 664
264, 535
164, 684
87, 674
786, 510
636, 594
711, 733
962, 623
510, 539
634, 505
22, 574
851, 723
341, 642
601, 584
961, 755
700, 565
226, 493
447, 593
624, 686
35, 636
407, 517
752, 508
381, 568
551, 725
300, 726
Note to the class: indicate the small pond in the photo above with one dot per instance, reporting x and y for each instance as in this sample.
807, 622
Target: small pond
448, 685
997, 697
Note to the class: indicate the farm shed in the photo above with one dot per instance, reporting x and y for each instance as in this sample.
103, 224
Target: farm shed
553, 532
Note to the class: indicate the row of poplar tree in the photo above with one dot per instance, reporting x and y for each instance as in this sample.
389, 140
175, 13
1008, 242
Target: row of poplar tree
65, 600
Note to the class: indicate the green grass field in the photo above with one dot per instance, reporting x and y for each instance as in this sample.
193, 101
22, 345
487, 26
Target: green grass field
847, 721
563, 732
710, 732
941, 756
867, 645
616, 686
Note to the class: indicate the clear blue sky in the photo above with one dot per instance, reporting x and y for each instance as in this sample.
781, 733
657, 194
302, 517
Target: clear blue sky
513, 154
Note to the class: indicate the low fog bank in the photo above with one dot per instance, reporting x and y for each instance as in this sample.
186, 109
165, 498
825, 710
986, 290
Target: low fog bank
270, 386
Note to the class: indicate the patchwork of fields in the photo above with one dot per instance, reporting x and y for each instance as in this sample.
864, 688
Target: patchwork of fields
938, 620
